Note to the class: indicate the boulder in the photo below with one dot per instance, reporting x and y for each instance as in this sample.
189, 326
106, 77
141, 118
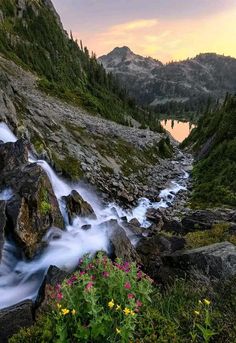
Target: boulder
121, 245
151, 250
215, 261
33, 208
13, 318
76, 206
2, 226
13, 155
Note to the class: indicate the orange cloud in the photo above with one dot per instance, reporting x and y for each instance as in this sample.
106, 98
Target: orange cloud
170, 40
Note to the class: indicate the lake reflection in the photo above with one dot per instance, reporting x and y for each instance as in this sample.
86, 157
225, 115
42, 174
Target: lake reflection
178, 129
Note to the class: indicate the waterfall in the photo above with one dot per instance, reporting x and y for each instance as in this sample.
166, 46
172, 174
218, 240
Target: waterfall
21, 279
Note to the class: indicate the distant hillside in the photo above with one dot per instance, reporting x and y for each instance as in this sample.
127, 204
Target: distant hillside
178, 86
32, 35
214, 145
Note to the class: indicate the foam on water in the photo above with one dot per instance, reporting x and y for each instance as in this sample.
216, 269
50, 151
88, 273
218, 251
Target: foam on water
21, 279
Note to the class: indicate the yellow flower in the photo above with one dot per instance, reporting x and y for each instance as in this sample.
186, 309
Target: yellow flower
118, 331
65, 311
126, 311
73, 312
111, 304
207, 302
200, 302
197, 313
58, 305
132, 313
118, 307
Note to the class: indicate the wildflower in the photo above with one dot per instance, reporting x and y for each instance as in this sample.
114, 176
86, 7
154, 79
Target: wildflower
65, 311
72, 280
89, 286
139, 275
58, 287
207, 302
82, 273
126, 311
58, 305
197, 313
118, 307
93, 277
105, 274
132, 313
118, 331
73, 312
59, 296
139, 303
111, 304
200, 302
130, 296
127, 285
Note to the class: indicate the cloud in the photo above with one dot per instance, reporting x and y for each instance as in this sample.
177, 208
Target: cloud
134, 25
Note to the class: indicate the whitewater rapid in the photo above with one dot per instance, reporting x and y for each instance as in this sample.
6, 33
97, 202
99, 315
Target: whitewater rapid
20, 279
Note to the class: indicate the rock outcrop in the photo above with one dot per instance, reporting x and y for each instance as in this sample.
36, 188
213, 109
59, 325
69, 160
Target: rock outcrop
33, 207
77, 206
13, 318
216, 260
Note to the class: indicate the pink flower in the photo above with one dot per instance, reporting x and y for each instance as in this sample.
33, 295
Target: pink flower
72, 280
93, 277
89, 286
138, 303
58, 287
130, 296
59, 296
105, 274
82, 273
139, 275
127, 285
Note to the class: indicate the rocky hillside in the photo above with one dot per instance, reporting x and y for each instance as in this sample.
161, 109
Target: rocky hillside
124, 162
214, 145
32, 35
177, 86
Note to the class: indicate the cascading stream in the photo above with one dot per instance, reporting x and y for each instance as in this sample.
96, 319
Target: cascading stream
20, 279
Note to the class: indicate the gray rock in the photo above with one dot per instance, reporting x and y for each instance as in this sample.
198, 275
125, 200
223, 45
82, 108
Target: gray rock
3, 220
216, 260
13, 318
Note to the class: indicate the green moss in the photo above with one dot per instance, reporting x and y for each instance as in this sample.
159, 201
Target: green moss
218, 233
44, 204
69, 166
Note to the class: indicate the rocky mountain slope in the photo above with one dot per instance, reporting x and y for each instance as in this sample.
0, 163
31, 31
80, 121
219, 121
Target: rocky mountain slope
32, 35
177, 86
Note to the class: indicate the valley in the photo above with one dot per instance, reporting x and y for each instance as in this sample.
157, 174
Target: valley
117, 190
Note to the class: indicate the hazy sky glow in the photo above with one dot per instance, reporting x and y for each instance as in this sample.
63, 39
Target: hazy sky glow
164, 29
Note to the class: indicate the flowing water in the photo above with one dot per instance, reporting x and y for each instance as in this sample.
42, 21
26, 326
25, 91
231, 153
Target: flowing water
178, 129
20, 279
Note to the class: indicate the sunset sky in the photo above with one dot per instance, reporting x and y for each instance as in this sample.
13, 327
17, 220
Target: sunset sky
163, 29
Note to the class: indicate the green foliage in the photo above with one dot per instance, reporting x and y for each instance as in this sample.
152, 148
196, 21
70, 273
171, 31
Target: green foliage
116, 302
215, 140
66, 69
45, 206
218, 233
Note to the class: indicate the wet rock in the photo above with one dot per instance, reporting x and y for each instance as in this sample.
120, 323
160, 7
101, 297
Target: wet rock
154, 216
34, 208
121, 246
216, 260
76, 206
13, 155
3, 220
172, 225
134, 222
13, 318
86, 227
